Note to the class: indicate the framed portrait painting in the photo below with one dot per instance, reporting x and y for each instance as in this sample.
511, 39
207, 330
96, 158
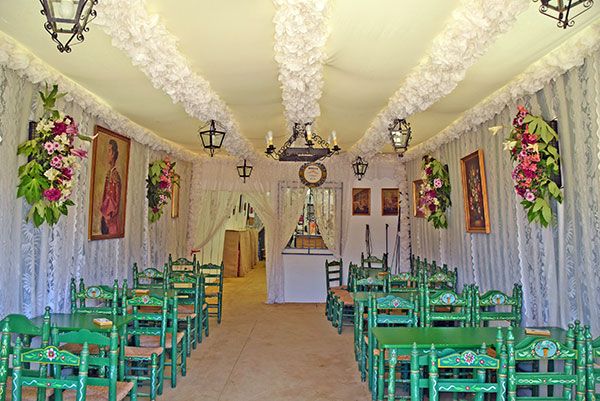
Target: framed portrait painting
390, 201
475, 193
361, 201
417, 186
108, 192
175, 199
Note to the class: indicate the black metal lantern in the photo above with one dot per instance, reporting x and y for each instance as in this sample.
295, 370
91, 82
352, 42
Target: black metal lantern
212, 135
400, 134
68, 17
564, 11
244, 170
360, 167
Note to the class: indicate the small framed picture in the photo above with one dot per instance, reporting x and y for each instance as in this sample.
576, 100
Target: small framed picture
475, 193
175, 199
361, 201
417, 185
390, 201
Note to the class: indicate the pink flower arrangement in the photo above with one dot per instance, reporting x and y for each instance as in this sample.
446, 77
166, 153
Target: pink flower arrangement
434, 196
46, 180
160, 181
533, 146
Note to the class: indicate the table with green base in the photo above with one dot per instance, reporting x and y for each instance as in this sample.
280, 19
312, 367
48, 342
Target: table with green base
400, 340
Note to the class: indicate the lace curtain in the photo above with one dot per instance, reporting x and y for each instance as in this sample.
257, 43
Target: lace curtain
36, 264
558, 266
328, 211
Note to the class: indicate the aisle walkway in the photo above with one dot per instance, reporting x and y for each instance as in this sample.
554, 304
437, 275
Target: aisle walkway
266, 352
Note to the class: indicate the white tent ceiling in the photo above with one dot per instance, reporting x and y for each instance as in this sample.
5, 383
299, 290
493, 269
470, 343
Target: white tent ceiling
371, 48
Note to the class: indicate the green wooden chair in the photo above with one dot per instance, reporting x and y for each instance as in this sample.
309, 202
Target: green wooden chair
94, 299
478, 364
182, 265
213, 276
446, 306
149, 278
373, 262
388, 311
441, 280
104, 385
592, 369
334, 274
487, 307
49, 357
25, 331
369, 284
567, 375
402, 282
192, 310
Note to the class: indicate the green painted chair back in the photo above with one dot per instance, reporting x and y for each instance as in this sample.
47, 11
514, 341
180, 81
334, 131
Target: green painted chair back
146, 321
189, 288
441, 280
213, 276
403, 282
354, 272
373, 262
496, 306
592, 368
334, 273
476, 365
50, 358
369, 284
94, 298
446, 306
182, 264
568, 375
149, 278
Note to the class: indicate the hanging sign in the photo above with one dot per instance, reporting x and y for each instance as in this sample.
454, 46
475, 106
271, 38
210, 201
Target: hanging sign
313, 174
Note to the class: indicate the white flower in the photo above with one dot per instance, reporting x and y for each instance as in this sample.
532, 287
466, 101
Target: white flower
63, 139
51, 173
510, 145
533, 147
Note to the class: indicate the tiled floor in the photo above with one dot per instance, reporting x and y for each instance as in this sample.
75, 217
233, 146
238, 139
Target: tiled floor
270, 352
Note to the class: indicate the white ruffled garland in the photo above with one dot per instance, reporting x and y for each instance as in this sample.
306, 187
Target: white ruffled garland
153, 49
301, 31
473, 28
570, 54
29, 66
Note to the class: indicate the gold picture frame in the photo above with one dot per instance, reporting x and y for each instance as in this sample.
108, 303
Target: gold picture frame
390, 201
108, 185
416, 186
477, 219
361, 201
175, 198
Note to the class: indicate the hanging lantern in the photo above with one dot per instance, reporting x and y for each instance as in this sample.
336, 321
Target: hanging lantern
68, 17
400, 134
244, 170
212, 135
564, 10
360, 167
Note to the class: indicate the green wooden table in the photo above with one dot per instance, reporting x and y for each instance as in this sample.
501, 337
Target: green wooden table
78, 321
400, 340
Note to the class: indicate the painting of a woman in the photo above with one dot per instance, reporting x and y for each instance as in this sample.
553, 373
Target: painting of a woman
109, 185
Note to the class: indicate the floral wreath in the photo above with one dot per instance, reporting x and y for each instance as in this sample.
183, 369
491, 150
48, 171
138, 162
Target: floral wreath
160, 181
46, 180
532, 144
435, 192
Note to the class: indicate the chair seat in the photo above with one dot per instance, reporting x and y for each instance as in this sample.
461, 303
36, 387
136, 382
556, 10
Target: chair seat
142, 352
27, 393
100, 393
185, 308
150, 309
339, 287
338, 291
154, 341
77, 348
346, 299
211, 290
183, 316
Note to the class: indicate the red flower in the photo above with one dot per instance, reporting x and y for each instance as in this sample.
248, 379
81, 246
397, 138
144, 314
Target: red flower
68, 173
59, 128
52, 194
164, 184
432, 207
428, 171
81, 153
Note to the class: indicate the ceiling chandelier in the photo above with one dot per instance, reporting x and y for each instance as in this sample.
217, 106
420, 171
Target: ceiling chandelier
244, 170
69, 17
359, 166
212, 134
562, 10
315, 147
400, 134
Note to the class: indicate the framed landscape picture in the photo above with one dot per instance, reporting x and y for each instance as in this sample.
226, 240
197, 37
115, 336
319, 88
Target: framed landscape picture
361, 201
175, 199
390, 201
475, 193
417, 185
108, 186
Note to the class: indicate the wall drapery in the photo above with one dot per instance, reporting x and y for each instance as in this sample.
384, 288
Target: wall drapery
36, 264
558, 266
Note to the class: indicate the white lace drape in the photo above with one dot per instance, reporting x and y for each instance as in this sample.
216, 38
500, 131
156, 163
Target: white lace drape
328, 210
36, 264
558, 266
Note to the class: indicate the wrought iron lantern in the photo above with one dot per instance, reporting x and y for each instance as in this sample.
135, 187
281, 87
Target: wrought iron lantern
69, 18
564, 10
400, 134
244, 170
360, 167
212, 135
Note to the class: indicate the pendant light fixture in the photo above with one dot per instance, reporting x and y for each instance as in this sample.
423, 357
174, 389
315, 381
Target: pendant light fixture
315, 148
212, 135
244, 170
400, 134
359, 166
69, 18
564, 11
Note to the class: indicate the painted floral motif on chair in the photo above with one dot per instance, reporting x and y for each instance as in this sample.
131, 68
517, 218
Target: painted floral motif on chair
545, 349
498, 299
448, 298
93, 292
